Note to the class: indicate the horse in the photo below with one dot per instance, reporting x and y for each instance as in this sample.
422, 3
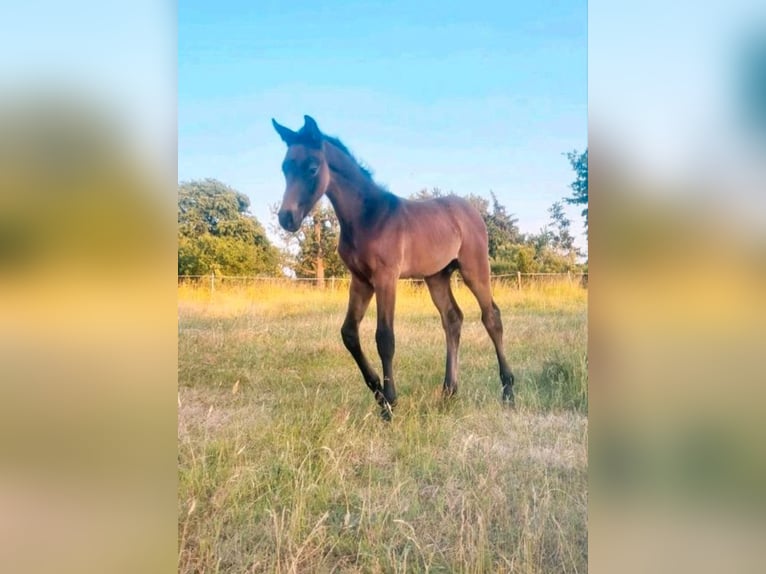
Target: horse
384, 237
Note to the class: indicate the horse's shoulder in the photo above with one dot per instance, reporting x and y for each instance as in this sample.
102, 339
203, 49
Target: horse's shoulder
377, 208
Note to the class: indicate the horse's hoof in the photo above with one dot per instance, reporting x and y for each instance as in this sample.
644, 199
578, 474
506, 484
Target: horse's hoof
508, 398
449, 392
386, 412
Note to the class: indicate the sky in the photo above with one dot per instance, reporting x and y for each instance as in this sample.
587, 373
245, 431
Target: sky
464, 96
86, 53
664, 78
666, 90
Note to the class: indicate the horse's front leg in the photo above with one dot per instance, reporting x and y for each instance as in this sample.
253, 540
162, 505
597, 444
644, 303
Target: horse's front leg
359, 297
385, 295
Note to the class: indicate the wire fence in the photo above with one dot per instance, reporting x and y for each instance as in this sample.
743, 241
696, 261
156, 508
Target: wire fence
518, 280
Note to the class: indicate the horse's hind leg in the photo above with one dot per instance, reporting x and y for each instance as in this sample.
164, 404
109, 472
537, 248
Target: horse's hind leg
475, 273
452, 320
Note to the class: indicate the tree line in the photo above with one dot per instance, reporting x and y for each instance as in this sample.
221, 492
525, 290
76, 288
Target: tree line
217, 234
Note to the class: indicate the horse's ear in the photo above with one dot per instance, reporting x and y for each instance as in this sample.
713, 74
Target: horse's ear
288, 136
311, 131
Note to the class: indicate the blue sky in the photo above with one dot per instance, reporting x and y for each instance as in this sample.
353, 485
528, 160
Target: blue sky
465, 96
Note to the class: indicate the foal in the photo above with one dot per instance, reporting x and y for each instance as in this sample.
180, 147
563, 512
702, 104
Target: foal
383, 238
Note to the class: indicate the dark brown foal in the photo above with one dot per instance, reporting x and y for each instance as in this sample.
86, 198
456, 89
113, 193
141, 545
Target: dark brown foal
385, 238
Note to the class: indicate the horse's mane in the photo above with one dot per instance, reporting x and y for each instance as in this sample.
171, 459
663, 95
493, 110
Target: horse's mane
342, 147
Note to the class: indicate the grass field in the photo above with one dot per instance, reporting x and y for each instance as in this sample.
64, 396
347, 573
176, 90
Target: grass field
285, 465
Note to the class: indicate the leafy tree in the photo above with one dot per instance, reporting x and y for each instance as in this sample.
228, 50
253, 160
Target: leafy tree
216, 234
579, 186
426, 193
562, 240
552, 249
515, 257
318, 237
312, 251
525, 259
502, 226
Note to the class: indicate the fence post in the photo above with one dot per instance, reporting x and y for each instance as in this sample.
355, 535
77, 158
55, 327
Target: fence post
212, 282
518, 279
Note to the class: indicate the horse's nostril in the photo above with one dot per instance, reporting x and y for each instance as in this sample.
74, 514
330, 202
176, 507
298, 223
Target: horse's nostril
286, 220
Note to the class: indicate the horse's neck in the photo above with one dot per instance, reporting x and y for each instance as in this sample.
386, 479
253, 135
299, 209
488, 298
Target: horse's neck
348, 189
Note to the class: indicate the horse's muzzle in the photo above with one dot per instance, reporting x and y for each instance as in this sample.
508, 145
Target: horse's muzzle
288, 221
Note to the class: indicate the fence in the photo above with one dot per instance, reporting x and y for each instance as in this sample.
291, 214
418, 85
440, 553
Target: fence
517, 280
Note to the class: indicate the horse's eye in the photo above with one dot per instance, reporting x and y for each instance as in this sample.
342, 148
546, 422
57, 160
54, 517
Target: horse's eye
313, 170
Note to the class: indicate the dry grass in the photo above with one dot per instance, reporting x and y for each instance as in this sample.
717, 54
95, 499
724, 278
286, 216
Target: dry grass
284, 465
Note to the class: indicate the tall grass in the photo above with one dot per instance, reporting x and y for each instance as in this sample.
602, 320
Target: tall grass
284, 465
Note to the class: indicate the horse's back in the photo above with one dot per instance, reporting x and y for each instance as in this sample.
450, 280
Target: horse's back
464, 215
438, 230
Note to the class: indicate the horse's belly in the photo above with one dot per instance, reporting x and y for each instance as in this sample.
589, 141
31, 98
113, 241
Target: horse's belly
426, 260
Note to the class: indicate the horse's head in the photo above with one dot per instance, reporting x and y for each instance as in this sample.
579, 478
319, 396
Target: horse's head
306, 172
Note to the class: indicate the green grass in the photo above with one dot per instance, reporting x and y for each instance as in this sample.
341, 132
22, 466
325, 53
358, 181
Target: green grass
285, 466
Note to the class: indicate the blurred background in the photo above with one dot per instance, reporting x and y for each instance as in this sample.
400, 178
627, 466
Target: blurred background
87, 288
677, 131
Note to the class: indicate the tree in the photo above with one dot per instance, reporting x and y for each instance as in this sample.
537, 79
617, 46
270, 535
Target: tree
312, 251
502, 226
502, 230
318, 239
216, 234
426, 193
551, 250
579, 186
548, 259
562, 240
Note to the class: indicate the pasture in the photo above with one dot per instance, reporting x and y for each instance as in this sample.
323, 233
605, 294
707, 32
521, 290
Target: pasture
285, 466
